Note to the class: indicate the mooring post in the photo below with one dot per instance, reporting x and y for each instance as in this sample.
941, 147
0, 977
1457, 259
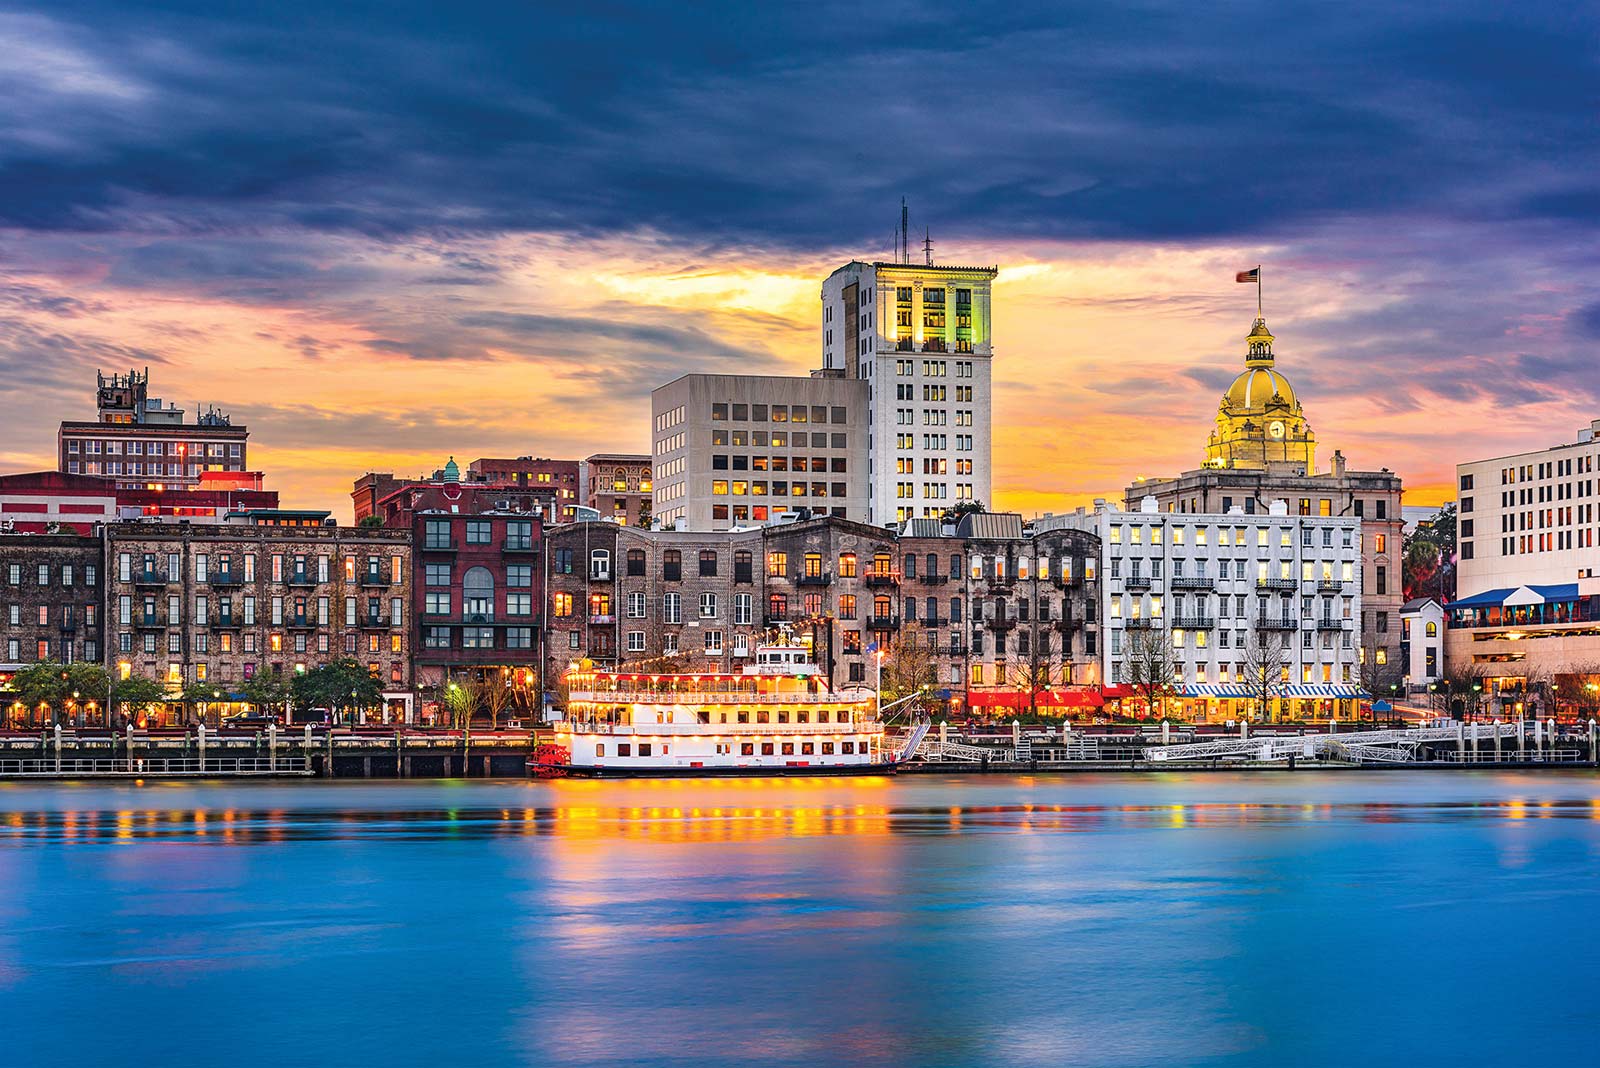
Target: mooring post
58, 748
1166, 732
1461, 741
272, 746
130, 745
1594, 755
944, 732
1497, 741
200, 735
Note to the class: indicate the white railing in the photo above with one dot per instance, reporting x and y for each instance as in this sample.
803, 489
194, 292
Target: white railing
709, 729
731, 697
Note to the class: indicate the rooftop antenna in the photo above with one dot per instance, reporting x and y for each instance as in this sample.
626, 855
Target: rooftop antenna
927, 248
905, 230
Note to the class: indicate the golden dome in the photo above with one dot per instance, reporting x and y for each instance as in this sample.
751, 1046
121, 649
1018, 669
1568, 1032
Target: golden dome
1255, 388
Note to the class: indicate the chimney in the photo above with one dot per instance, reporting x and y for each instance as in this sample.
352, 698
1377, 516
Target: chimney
1338, 463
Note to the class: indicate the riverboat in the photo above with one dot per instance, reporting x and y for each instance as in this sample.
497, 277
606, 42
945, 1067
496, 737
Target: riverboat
778, 717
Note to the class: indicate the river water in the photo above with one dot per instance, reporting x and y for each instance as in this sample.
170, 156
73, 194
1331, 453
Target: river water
1207, 919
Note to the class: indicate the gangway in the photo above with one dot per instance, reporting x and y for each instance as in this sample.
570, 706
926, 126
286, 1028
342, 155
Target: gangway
1398, 746
919, 731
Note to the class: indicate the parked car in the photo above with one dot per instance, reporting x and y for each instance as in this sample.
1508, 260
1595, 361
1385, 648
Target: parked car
258, 720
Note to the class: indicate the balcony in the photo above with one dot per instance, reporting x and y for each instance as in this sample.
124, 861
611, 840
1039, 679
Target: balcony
1066, 624
519, 545
905, 344
882, 578
149, 621
478, 619
1138, 582
1330, 586
438, 545
1193, 582
149, 578
1333, 623
780, 617
1142, 623
374, 578
369, 621
1194, 622
226, 578
824, 579
226, 621
68, 626
928, 621
887, 622
301, 578
1277, 623
300, 622
1000, 621
1067, 582
598, 619
934, 344
1287, 584
935, 579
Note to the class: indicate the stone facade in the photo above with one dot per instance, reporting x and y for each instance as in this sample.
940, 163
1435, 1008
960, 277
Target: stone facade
51, 599
220, 604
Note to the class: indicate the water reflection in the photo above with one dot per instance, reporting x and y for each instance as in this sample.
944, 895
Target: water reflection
1116, 919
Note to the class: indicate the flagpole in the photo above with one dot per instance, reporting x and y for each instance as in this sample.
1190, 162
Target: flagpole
1258, 291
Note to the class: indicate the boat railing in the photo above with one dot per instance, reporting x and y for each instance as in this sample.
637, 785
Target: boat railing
591, 726
712, 697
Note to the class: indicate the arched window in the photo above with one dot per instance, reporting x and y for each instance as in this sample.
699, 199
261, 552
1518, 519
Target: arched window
477, 595
600, 564
1433, 629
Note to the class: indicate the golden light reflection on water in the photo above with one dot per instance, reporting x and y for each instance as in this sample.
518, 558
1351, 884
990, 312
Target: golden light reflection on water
672, 812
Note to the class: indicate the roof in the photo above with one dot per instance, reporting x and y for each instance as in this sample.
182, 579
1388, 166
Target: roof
1417, 604
990, 525
923, 528
1566, 591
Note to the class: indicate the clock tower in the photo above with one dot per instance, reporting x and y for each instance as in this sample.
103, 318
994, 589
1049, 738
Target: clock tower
1259, 420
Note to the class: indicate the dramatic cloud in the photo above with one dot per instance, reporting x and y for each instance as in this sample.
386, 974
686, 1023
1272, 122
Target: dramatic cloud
493, 229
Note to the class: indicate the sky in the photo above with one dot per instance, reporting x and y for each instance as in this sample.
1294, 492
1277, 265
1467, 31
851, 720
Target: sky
381, 234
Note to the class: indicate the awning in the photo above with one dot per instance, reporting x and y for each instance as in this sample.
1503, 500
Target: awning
1043, 699
1215, 689
1323, 690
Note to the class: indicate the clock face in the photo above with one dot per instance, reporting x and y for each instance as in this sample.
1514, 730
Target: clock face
1276, 429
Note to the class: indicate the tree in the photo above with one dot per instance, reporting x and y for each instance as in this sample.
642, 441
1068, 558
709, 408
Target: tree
1265, 662
1378, 679
268, 691
1429, 561
136, 692
910, 664
526, 689
203, 693
961, 508
343, 685
1462, 691
494, 692
1150, 667
370, 522
646, 516
1578, 689
1033, 672
67, 689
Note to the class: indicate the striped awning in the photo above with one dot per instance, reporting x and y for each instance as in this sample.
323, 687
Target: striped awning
1215, 689
1323, 689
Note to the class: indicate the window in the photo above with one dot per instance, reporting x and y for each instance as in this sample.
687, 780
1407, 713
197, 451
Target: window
708, 563
671, 608
436, 535
561, 605
743, 566
519, 534
847, 565
672, 566
600, 564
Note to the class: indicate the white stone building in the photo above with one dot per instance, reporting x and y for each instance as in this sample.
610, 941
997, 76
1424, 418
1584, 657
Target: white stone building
1217, 585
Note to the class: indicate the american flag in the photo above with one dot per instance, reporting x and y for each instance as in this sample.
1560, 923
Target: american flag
1252, 275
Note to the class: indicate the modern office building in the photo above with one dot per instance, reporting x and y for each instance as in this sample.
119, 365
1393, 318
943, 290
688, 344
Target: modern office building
739, 450
920, 336
141, 444
1526, 618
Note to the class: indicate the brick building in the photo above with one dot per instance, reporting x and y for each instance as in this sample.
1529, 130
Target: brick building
141, 444
51, 600
1007, 610
558, 482
220, 604
477, 577
618, 486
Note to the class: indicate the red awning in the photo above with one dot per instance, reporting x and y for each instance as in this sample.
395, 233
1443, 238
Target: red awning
1020, 699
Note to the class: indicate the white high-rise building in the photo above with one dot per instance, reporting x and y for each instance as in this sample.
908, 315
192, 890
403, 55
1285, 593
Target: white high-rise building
920, 336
